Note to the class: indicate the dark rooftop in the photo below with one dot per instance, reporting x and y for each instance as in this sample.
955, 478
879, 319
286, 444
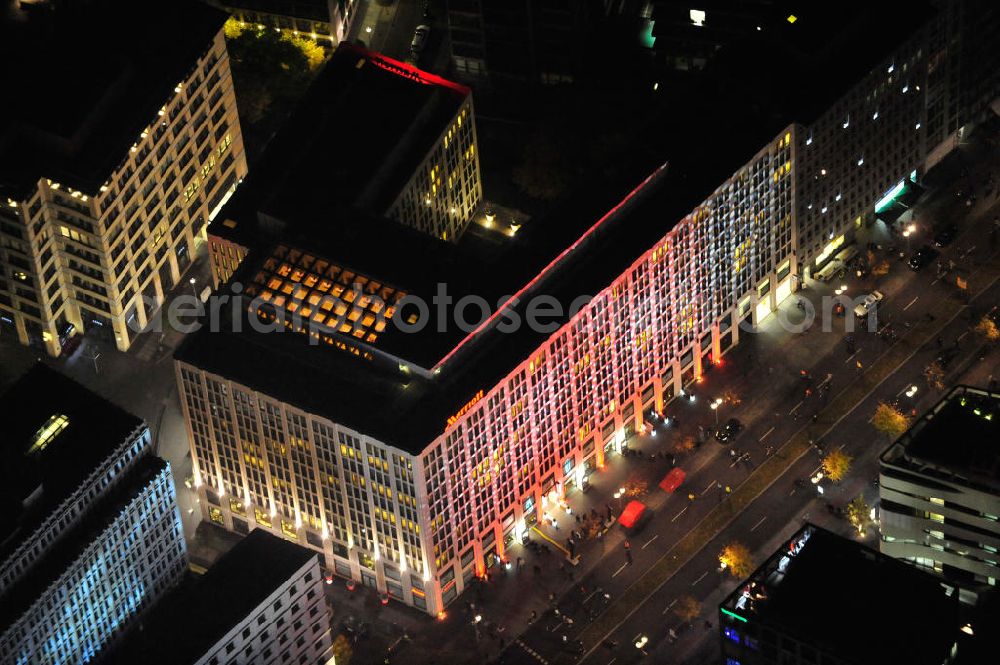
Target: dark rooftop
192, 618
691, 116
849, 600
94, 429
54, 561
957, 437
352, 143
88, 80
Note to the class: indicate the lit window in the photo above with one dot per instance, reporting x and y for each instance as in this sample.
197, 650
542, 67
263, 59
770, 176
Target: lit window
47, 432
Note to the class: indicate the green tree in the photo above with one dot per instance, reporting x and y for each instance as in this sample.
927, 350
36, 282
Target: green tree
735, 557
270, 70
889, 420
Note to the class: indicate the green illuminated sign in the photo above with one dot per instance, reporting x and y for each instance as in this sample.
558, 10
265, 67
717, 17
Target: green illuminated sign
735, 616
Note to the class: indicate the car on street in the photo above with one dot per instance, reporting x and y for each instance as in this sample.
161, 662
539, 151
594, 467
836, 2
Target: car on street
922, 257
866, 305
420, 36
945, 236
728, 431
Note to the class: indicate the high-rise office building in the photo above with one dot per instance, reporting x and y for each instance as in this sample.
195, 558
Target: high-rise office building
123, 145
939, 485
93, 533
260, 602
413, 451
821, 598
418, 164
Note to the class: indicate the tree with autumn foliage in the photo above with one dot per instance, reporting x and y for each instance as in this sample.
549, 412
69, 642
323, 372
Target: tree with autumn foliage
687, 609
859, 514
836, 465
987, 329
889, 420
934, 373
735, 557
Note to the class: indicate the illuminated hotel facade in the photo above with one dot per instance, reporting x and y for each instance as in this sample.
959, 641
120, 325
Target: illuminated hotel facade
419, 521
419, 526
99, 248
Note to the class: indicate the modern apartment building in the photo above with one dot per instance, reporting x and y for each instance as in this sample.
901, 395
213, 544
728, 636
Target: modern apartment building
261, 602
320, 20
413, 453
93, 533
897, 120
940, 491
821, 598
109, 174
372, 137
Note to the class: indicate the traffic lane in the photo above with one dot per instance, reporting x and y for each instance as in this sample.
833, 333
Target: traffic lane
641, 561
857, 429
862, 435
701, 577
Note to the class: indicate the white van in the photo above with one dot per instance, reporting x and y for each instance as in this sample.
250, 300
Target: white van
832, 269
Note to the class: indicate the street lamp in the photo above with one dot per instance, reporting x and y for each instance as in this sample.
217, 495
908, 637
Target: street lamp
906, 234
716, 403
194, 290
618, 495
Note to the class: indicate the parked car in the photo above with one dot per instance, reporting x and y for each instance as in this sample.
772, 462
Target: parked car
945, 236
868, 303
420, 36
922, 257
728, 432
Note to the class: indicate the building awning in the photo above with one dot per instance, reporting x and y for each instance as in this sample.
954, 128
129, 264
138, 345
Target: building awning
630, 516
898, 200
672, 480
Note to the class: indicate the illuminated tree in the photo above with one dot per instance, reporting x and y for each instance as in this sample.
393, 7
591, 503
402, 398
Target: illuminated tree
987, 329
684, 444
859, 514
889, 420
881, 268
934, 374
836, 465
636, 487
687, 609
731, 397
735, 557
342, 650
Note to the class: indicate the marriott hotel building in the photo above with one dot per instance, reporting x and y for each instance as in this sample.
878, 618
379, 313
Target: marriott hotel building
413, 460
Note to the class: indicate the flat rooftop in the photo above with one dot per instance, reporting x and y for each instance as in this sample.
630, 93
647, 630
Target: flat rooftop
849, 600
88, 80
577, 248
55, 433
53, 562
349, 147
958, 437
192, 618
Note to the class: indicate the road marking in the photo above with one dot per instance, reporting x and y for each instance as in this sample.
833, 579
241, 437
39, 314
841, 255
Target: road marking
679, 514
710, 486
669, 607
792, 492
766, 434
963, 335
851, 357
910, 304
700, 578
754, 528
650, 541
795, 408
612, 660
735, 462
935, 281
619, 570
